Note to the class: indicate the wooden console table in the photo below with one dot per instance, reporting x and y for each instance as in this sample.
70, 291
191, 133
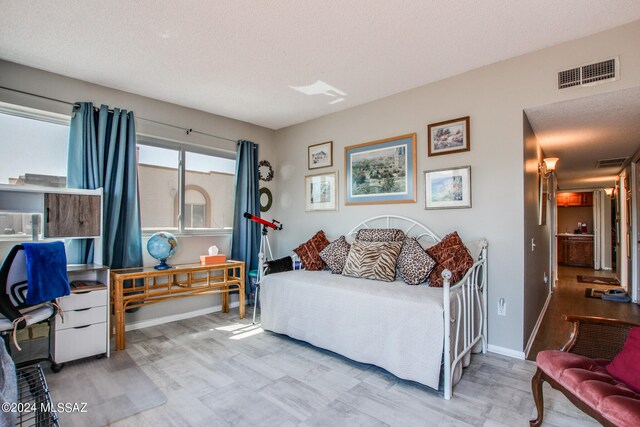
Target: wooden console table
135, 287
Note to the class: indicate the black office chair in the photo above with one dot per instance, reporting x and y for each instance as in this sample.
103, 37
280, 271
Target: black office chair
15, 314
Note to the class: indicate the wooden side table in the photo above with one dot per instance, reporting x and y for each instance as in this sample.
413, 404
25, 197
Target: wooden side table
136, 287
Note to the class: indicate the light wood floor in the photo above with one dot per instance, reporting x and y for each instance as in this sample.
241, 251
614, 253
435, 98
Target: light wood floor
217, 370
568, 298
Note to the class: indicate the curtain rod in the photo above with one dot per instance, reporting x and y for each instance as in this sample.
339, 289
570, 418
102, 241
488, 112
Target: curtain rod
75, 104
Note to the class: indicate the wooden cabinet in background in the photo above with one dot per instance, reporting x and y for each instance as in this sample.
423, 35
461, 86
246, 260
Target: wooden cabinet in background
68, 215
575, 250
574, 199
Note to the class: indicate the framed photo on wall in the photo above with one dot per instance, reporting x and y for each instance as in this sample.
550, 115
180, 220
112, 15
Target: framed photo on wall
448, 188
542, 199
321, 192
320, 155
449, 137
381, 171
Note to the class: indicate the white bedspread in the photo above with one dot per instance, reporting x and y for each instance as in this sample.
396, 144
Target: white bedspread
395, 326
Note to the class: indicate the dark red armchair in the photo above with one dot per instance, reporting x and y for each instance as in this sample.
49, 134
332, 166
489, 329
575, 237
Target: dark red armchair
578, 371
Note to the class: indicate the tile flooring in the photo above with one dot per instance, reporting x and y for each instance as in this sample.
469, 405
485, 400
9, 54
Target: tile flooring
217, 370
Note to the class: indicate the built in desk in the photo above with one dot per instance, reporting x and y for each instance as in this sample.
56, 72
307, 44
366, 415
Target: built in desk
136, 287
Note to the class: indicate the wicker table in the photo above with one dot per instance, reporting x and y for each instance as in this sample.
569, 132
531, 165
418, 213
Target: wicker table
135, 287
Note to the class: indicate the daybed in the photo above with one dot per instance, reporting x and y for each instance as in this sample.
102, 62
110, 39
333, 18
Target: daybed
404, 329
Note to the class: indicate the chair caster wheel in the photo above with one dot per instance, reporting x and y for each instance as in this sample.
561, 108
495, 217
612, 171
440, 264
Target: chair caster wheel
57, 367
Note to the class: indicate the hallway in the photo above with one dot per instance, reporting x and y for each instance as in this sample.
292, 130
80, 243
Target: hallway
568, 298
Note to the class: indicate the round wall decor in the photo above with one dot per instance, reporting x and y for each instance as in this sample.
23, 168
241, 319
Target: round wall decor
265, 171
264, 207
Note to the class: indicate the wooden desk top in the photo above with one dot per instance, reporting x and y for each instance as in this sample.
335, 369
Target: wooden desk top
192, 267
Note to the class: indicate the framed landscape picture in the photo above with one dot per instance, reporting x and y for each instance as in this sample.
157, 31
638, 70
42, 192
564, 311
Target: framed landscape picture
321, 192
449, 137
448, 188
381, 171
320, 155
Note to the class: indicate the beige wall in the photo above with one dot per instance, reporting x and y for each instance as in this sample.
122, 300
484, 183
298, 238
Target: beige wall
568, 218
56, 86
495, 97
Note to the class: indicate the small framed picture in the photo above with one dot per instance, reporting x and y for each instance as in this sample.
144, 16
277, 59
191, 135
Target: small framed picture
321, 192
321, 155
448, 188
449, 137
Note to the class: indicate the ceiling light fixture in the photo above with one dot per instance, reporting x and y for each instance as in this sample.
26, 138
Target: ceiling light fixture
609, 191
322, 88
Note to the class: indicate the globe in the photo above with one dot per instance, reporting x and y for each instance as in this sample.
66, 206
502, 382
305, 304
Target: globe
162, 246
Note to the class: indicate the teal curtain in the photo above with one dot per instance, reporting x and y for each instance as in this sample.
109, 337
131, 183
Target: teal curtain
102, 154
245, 241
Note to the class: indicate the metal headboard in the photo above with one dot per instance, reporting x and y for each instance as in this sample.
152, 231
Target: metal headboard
410, 227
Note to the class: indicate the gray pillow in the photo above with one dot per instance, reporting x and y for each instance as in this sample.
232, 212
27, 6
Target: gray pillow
414, 263
335, 254
372, 260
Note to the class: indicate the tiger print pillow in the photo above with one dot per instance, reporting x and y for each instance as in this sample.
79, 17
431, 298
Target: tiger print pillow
372, 260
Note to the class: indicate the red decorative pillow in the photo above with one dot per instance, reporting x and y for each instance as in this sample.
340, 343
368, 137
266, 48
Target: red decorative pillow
624, 367
309, 252
451, 254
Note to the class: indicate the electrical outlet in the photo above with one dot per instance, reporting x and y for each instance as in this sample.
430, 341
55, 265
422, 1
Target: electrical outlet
502, 307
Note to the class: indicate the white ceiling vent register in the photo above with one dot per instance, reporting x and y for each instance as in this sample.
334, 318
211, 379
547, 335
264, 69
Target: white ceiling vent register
610, 163
589, 74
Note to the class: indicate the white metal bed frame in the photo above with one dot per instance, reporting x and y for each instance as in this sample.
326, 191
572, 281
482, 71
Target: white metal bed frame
469, 294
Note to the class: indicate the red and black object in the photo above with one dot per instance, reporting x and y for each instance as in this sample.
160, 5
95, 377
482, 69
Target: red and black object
276, 225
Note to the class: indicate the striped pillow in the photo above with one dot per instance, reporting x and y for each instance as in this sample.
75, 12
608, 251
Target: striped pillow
372, 260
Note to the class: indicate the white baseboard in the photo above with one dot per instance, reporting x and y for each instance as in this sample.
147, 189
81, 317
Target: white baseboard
534, 333
174, 317
506, 352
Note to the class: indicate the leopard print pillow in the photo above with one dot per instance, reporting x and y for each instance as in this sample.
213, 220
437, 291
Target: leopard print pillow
414, 263
335, 254
380, 235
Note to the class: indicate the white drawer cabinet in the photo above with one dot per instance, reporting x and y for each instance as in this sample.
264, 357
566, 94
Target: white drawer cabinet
83, 328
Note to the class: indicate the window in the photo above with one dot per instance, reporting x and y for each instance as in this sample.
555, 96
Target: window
37, 149
33, 146
158, 185
197, 208
207, 189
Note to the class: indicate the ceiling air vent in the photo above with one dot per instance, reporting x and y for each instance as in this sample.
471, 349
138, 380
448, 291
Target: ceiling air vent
589, 74
611, 163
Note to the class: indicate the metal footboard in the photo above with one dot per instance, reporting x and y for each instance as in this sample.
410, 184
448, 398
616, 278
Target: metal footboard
465, 316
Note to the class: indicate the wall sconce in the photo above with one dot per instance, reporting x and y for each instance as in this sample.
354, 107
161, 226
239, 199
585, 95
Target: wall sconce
548, 166
609, 191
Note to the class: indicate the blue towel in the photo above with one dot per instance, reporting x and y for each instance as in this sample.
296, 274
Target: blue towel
46, 272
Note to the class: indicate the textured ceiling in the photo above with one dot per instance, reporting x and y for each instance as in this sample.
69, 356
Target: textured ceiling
582, 131
239, 58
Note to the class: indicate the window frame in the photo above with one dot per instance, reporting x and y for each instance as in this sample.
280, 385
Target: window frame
182, 149
143, 139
